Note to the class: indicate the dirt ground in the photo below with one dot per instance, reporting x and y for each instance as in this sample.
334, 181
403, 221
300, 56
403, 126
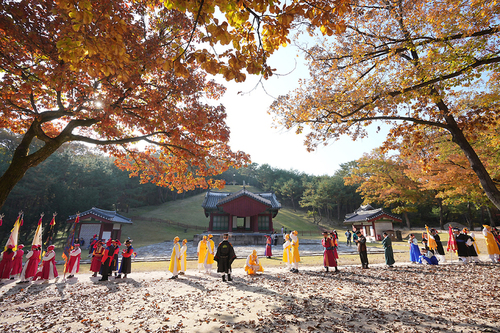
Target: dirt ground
407, 298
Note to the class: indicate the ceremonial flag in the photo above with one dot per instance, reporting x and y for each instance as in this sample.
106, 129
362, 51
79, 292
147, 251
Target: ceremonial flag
70, 241
432, 245
452, 242
51, 230
37, 239
14, 234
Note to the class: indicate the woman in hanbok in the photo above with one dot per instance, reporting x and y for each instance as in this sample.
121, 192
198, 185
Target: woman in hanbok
491, 244
202, 252
329, 259
414, 250
183, 257
175, 259
269, 243
17, 264
295, 251
287, 252
95, 265
252, 265
209, 256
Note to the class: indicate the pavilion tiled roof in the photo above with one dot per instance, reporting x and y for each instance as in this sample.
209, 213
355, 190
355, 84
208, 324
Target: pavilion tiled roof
213, 199
368, 214
109, 215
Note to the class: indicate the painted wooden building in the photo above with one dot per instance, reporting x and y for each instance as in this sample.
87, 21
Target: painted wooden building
372, 222
105, 224
241, 211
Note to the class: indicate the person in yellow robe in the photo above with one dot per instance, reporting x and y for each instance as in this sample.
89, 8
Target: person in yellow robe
287, 252
252, 266
183, 257
175, 259
202, 252
295, 251
491, 244
209, 256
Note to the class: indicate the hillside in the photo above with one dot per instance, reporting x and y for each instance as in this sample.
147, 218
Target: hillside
147, 229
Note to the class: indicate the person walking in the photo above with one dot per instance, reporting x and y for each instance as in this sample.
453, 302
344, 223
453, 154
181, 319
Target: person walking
348, 237
388, 252
363, 255
225, 256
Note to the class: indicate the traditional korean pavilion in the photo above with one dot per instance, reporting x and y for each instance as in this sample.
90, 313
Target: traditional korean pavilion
372, 222
105, 223
241, 211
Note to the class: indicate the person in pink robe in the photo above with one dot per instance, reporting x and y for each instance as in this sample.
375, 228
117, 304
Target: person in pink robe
6, 262
31, 266
329, 259
49, 270
73, 266
17, 265
269, 242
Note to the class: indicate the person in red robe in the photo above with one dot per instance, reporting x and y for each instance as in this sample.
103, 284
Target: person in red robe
334, 238
17, 264
328, 256
6, 262
49, 270
31, 266
73, 266
107, 260
97, 254
269, 242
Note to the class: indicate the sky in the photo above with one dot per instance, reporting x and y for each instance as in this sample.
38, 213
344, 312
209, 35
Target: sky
252, 128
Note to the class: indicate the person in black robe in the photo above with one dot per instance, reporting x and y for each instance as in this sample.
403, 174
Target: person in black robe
463, 241
225, 256
440, 250
126, 264
107, 260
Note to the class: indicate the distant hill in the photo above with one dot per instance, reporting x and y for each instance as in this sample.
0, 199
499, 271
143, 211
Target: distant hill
185, 218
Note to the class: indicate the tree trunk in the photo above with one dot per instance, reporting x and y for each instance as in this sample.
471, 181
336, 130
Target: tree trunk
477, 166
469, 217
441, 217
492, 220
407, 220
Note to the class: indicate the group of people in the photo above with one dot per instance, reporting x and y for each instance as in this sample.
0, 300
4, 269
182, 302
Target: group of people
42, 266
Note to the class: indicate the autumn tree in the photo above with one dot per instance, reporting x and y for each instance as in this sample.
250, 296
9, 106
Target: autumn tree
112, 73
382, 180
411, 65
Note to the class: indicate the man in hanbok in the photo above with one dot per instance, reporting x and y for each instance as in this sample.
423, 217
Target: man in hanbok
175, 259
202, 252
30, 266
439, 245
491, 244
95, 265
329, 259
269, 242
126, 264
49, 270
183, 257
6, 260
107, 260
388, 252
363, 254
252, 265
471, 248
209, 257
73, 266
463, 244
295, 251
17, 263
287, 252
225, 256
427, 257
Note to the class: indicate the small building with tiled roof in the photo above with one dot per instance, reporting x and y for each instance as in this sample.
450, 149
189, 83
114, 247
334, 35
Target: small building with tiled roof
105, 224
372, 222
241, 211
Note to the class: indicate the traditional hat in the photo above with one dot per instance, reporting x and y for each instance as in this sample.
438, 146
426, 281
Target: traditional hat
210, 236
51, 247
456, 229
325, 232
95, 236
184, 241
128, 241
295, 232
20, 246
465, 230
34, 247
76, 244
10, 246
287, 236
176, 239
254, 252
204, 237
